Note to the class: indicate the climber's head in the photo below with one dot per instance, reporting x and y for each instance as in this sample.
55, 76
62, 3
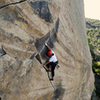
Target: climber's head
49, 53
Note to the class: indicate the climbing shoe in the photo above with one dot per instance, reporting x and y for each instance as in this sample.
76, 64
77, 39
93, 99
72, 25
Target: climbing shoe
51, 79
48, 70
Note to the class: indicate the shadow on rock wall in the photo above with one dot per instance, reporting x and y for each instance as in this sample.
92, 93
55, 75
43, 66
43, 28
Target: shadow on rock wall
42, 10
58, 93
50, 38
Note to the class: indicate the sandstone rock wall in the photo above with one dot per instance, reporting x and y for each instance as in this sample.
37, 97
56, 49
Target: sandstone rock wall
24, 27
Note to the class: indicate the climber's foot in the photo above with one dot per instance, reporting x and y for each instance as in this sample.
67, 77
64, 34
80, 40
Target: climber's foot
51, 79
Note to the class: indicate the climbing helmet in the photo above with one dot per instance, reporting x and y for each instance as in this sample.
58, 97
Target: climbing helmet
49, 53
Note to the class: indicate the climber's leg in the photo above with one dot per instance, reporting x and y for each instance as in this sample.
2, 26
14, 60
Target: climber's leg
48, 67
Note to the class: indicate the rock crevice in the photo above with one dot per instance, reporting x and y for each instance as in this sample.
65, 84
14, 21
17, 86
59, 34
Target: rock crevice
24, 29
12, 3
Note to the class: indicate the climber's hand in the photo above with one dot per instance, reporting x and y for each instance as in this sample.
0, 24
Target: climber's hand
46, 44
44, 64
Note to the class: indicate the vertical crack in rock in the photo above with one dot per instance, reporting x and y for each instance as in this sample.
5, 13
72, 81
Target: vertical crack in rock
19, 65
2, 52
41, 8
50, 38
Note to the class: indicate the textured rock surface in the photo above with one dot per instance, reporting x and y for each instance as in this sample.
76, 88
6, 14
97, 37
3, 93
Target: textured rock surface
24, 27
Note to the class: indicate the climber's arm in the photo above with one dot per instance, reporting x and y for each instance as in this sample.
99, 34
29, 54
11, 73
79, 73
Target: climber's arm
47, 46
46, 63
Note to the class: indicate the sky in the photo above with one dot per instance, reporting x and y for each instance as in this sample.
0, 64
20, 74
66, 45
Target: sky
92, 9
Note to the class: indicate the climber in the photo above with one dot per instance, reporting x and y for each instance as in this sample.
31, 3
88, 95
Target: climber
52, 62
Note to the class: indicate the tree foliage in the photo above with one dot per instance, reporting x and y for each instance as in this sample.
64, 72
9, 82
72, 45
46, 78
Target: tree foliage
93, 35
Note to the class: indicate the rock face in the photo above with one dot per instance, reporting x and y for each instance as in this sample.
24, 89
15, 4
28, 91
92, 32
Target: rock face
24, 27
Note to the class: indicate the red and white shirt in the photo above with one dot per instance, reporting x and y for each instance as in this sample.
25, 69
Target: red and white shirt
53, 58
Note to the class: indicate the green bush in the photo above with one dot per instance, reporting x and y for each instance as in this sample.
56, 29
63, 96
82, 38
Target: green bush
93, 35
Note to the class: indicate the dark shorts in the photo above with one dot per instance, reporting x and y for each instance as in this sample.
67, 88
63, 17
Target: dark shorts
52, 65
